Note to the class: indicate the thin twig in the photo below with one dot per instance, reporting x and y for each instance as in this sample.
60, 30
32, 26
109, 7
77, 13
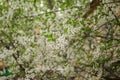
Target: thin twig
47, 12
111, 2
114, 14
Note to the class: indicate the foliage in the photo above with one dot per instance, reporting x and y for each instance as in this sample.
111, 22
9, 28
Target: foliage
49, 39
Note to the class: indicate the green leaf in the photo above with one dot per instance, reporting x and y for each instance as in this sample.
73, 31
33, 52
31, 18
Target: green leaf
48, 36
6, 72
65, 30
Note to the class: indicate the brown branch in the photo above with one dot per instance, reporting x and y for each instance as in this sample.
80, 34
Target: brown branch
93, 6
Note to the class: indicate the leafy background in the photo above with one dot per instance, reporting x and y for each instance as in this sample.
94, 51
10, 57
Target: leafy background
49, 39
